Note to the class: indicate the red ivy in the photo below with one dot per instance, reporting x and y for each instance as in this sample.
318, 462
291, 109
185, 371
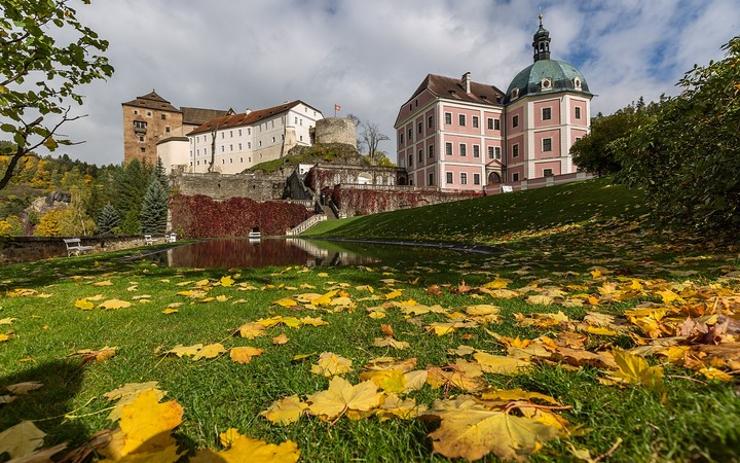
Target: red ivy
199, 216
363, 202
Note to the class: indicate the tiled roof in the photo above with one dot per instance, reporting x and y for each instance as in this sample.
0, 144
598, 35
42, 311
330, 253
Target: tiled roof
152, 101
242, 119
452, 88
198, 116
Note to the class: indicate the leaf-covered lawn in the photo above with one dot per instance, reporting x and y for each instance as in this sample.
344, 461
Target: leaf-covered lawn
586, 341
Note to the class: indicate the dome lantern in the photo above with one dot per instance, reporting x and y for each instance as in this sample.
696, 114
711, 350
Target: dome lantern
541, 42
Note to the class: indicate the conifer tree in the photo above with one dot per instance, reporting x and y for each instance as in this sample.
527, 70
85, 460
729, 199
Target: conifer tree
154, 208
160, 174
131, 185
108, 220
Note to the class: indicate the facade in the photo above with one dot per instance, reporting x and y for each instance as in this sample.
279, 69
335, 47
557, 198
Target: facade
456, 134
235, 142
149, 119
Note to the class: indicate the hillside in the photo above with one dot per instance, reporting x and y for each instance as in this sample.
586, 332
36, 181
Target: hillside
328, 153
494, 218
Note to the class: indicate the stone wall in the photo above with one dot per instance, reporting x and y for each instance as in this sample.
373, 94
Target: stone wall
323, 176
156, 130
256, 186
30, 248
363, 200
336, 130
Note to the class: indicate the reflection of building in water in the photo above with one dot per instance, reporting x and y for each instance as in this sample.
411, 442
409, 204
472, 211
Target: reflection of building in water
323, 256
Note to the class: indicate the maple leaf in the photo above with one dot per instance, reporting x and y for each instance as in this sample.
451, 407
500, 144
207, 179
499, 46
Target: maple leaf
342, 396
84, 304
396, 380
100, 355
210, 351
280, 339
21, 440
713, 374
127, 393
388, 341
145, 426
387, 330
24, 388
473, 433
169, 311
633, 369
437, 377
286, 302
251, 330
226, 281
330, 364
111, 304
240, 449
517, 394
103, 283
393, 406
500, 364
285, 411
244, 355
393, 294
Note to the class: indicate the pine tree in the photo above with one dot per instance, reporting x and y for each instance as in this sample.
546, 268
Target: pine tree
131, 185
154, 208
160, 174
108, 220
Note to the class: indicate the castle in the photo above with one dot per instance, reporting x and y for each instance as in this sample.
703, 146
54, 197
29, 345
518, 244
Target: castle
457, 134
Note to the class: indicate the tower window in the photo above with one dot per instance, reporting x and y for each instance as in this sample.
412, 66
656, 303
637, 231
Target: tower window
448, 118
476, 151
515, 94
515, 151
546, 114
431, 178
411, 160
515, 121
490, 123
577, 83
431, 151
578, 112
430, 122
496, 124
448, 149
547, 144
546, 83
420, 127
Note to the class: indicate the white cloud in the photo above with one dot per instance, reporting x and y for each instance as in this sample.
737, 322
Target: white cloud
370, 55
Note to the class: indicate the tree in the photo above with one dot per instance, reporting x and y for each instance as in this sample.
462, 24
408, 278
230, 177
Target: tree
154, 209
161, 174
372, 137
40, 73
108, 220
685, 155
131, 185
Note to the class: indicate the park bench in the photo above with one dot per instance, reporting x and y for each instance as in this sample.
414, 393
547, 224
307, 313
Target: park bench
74, 247
148, 240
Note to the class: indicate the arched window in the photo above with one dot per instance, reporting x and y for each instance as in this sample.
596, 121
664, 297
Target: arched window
577, 83
515, 93
546, 84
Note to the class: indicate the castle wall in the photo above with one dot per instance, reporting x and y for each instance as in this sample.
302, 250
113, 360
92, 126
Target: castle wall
142, 145
256, 186
336, 130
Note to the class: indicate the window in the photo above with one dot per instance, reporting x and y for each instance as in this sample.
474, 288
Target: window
476, 179
577, 83
400, 138
260, 143
143, 150
231, 161
273, 123
420, 127
240, 146
167, 130
475, 122
141, 138
515, 121
490, 152
249, 131
461, 120
411, 160
497, 124
497, 150
231, 134
163, 116
273, 139
463, 149
431, 179
515, 94
490, 123
410, 134
448, 118
222, 135
136, 112
140, 125
515, 151
449, 178
222, 148
231, 147
241, 159
249, 145
578, 112
476, 151
547, 144
149, 113
421, 156
515, 177
431, 151
547, 172
546, 114
223, 161
301, 137
430, 122
463, 178
240, 132
546, 84
448, 149
296, 120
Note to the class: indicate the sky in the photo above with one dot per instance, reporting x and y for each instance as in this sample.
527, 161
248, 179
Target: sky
370, 55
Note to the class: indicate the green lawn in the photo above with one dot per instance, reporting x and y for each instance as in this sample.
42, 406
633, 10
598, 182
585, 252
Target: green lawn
595, 260
485, 219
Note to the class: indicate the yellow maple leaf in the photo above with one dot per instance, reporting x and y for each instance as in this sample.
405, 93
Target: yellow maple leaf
517, 394
285, 411
114, 304
280, 339
393, 406
500, 364
712, 373
330, 364
84, 304
393, 294
210, 351
633, 369
286, 302
244, 355
227, 281
313, 321
251, 330
169, 311
241, 449
103, 283
342, 396
389, 341
145, 426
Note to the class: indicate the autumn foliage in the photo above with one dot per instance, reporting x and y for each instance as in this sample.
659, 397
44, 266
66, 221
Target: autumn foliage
370, 201
201, 217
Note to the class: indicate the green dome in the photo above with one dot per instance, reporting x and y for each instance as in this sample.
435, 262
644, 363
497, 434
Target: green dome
562, 76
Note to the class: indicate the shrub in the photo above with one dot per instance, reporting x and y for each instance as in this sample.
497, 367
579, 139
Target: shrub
11, 226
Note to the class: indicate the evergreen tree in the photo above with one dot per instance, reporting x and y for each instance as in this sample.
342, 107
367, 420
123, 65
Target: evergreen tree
108, 220
160, 174
131, 184
154, 208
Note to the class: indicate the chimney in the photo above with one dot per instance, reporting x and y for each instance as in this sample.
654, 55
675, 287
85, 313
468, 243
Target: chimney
247, 111
466, 82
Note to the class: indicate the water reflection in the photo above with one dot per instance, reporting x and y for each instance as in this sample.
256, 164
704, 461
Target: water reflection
226, 253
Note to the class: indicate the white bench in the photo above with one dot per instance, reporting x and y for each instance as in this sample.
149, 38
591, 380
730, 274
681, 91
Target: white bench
75, 247
148, 240
172, 238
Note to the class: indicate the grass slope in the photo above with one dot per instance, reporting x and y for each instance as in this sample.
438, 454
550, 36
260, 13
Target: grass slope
484, 219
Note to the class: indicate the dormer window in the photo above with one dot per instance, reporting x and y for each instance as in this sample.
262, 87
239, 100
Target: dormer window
577, 83
515, 94
546, 84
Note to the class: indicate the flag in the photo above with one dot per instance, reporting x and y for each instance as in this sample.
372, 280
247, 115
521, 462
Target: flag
337, 108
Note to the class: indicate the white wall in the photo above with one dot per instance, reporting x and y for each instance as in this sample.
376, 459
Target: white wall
173, 153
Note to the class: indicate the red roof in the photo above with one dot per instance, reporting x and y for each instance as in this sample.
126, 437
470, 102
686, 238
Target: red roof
242, 119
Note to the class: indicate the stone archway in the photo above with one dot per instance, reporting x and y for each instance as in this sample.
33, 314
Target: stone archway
494, 178
364, 179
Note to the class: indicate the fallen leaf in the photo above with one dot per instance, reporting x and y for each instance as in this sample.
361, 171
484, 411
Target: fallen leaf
285, 411
330, 364
114, 304
342, 396
244, 355
242, 449
280, 339
21, 440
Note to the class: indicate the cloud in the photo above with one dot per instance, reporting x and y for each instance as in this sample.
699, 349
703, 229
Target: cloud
369, 56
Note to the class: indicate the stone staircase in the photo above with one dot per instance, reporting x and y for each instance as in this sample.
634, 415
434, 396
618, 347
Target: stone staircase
305, 225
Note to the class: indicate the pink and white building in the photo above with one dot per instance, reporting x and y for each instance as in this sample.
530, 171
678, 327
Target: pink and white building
457, 134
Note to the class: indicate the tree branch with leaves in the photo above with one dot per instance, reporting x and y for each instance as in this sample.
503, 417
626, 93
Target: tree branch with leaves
40, 73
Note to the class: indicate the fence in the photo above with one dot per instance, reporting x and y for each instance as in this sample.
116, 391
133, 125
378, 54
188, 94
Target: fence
530, 184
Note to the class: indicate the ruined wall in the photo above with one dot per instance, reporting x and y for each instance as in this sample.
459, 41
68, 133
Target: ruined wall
256, 186
322, 176
367, 200
336, 130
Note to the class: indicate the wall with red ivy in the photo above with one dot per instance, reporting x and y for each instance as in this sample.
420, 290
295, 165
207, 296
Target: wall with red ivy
199, 216
354, 201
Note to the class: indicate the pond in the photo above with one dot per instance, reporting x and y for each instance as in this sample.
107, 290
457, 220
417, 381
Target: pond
244, 253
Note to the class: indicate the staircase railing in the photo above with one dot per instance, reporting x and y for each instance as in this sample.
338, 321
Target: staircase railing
305, 225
